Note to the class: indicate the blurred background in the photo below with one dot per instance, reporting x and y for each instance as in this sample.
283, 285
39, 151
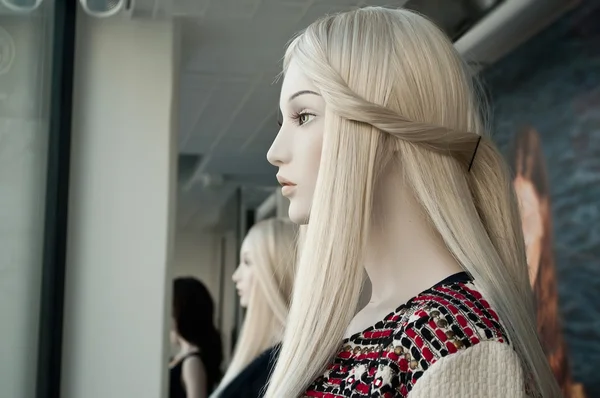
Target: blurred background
133, 140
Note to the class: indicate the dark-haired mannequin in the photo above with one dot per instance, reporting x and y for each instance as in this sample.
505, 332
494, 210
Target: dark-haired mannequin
194, 370
187, 372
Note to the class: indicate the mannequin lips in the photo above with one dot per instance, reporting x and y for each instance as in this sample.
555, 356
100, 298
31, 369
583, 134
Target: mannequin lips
287, 190
287, 187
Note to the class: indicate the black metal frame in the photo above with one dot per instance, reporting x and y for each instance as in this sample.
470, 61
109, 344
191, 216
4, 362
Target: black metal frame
48, 376
239, 235
222, 253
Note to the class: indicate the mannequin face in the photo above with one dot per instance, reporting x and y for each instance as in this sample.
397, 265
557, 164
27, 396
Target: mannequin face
296, 150
243, 277
532, 223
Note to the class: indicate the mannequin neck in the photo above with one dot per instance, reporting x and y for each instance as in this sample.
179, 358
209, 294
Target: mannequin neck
404, 255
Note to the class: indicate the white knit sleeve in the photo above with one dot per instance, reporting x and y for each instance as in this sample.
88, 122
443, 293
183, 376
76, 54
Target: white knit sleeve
488, 369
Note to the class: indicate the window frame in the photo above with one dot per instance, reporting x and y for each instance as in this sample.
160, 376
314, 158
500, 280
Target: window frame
49, 356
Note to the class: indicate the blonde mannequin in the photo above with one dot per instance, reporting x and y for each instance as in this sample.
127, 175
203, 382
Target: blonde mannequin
383, 153
264, 281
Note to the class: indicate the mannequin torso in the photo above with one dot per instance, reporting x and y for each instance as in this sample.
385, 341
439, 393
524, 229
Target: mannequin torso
443, 335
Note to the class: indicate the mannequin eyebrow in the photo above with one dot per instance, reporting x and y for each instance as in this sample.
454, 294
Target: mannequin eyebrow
302, 92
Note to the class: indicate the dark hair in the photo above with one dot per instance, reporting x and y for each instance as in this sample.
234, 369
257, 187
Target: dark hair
529, 161
193, 311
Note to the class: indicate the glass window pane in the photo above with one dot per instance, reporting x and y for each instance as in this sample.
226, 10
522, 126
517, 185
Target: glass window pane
25, 58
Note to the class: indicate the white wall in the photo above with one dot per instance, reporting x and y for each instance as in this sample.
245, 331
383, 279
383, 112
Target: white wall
121, 210
197, 254
23, 149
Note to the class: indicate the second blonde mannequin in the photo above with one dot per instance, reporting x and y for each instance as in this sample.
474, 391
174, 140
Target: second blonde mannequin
265, 279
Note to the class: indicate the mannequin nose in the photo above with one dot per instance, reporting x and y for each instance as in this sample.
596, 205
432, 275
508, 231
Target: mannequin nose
277, 153
273, 157
234, 277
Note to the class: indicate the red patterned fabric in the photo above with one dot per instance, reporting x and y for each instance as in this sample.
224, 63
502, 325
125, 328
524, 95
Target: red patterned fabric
387, 359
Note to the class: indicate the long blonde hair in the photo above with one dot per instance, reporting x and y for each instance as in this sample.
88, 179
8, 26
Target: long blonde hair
395, 88
272, 243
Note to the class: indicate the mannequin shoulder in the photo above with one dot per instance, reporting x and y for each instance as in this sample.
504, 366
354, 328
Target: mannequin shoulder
451, 318
452, 335
487, 369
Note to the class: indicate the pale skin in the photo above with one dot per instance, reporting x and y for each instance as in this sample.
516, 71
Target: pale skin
531, 220
404, 255
243, 277
193, 374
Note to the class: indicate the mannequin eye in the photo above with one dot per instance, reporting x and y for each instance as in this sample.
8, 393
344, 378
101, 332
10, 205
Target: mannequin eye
303, 117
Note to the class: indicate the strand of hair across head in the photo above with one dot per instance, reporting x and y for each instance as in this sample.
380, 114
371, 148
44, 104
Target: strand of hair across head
272, 255
396, 90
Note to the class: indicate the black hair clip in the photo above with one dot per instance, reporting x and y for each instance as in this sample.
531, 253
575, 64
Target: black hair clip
474, 153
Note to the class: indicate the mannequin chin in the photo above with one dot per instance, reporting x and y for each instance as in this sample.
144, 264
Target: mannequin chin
298, 212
